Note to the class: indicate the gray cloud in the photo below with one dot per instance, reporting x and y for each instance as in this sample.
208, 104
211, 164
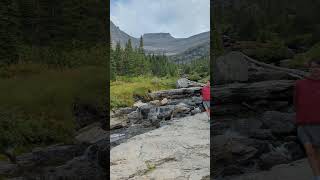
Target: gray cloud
181, 18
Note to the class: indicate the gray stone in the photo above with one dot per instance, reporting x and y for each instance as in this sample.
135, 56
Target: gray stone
278, 122
185, 83
8, 169
231, 67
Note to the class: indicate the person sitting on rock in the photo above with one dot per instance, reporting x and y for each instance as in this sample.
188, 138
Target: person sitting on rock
205, 93
307, 104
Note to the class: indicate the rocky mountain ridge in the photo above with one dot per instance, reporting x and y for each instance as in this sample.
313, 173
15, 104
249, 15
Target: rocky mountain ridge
164, 43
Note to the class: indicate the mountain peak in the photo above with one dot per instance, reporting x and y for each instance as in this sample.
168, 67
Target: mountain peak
158, 36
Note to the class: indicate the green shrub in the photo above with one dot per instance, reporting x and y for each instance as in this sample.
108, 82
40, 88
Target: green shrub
194, 77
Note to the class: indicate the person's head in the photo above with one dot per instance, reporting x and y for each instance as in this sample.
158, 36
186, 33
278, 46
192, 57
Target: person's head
314, 67
208, 83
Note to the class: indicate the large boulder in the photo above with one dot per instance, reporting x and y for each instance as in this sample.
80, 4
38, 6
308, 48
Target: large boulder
180, 150
231, 67
185, 83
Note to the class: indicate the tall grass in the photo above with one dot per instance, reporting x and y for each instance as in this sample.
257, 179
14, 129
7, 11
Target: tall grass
123, 89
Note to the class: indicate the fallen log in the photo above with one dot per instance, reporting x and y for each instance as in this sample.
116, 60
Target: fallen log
175, 93
246, 92
292, 72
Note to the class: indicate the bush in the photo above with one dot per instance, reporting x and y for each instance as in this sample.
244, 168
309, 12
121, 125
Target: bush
194, 77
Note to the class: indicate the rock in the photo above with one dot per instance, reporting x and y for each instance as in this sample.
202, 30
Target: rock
279, 123
263, 134
245, 126
92, 135
135, 115
116, 137
164, 101
139, 104
118, 122
297, 170
124, 111
185, 83
166, 152
145, 109
8, 169
195, 111
155, 103
273, 158
165, 112
84, 167
231, 67
220, 128
50, 155
295, 151
86, 114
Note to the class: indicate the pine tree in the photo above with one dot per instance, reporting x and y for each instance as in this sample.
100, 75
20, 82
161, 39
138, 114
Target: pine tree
9, 32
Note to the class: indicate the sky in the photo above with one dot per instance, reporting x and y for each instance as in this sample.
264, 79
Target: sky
180, 18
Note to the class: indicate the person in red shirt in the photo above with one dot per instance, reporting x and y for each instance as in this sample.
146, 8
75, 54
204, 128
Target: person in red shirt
307, 106
205, 93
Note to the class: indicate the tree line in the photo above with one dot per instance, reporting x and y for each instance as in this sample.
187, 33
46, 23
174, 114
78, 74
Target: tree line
60, 25
293, 21
133, 61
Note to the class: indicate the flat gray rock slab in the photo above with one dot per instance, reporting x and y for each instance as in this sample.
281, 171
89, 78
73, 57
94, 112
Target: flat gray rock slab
180, 150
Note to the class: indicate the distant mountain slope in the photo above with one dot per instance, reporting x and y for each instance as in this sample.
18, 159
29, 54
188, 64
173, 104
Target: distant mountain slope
180, 49
118, 35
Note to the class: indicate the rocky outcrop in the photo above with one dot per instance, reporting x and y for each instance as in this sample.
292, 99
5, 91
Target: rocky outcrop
254, 128
179, 150
231, 67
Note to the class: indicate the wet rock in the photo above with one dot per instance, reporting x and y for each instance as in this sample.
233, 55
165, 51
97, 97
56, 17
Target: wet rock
92, 135
50, 155
8, 169
135, 115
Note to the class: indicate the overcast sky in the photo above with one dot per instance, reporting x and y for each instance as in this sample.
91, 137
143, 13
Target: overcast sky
180, 18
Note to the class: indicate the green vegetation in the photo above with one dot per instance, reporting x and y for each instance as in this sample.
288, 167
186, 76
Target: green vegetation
134, 62
52, 54
271, 27
197, 70
124, 88
300, 60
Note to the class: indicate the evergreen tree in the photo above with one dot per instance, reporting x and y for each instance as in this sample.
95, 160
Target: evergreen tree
9, 32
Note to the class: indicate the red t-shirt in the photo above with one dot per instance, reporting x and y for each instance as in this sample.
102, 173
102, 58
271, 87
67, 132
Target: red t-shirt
307, 101
205, 91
